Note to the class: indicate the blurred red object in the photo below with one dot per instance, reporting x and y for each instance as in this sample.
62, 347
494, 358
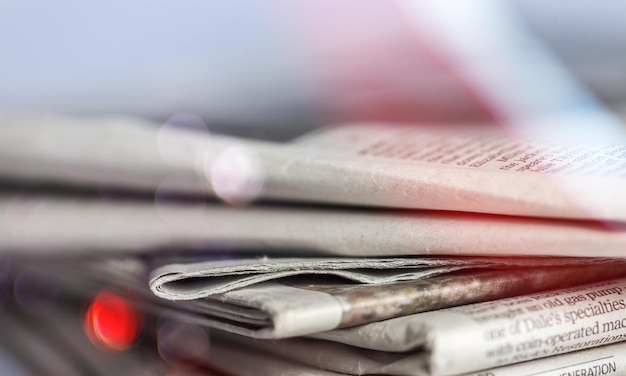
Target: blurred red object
112, 322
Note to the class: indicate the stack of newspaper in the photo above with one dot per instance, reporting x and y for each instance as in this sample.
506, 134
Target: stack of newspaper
357, 249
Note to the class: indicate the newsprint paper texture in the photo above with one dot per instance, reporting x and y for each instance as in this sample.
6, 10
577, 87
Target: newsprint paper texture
186, 280
301, 356
305, 356
47, 225
497, 333
472, 168
296, 307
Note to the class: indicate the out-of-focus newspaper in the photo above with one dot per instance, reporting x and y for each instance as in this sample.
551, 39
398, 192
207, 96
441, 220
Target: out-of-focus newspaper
46, 225
460, 168
295, 307
44, 328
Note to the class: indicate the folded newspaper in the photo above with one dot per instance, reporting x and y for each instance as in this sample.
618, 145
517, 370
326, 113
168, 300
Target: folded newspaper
288, 307
466, 338
460, 168
193, 280
472, 191
54, 224
228, 295
484, 335
503, 337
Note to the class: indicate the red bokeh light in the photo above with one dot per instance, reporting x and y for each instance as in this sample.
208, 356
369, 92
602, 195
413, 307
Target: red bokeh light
112, 322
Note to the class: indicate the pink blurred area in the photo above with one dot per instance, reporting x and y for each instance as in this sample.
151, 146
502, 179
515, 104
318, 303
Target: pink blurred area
374, 66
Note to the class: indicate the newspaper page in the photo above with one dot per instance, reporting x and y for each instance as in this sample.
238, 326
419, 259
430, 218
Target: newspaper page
47, 225
293, 307
481, 169
285, 357
192, 280
603, 360
469, 168
497, 333
188, 281
109, 152
315, 357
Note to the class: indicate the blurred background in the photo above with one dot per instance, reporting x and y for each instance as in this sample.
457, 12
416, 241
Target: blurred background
276, 68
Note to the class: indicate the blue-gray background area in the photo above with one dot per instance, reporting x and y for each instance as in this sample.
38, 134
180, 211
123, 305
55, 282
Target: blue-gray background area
218, 59
233, 61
